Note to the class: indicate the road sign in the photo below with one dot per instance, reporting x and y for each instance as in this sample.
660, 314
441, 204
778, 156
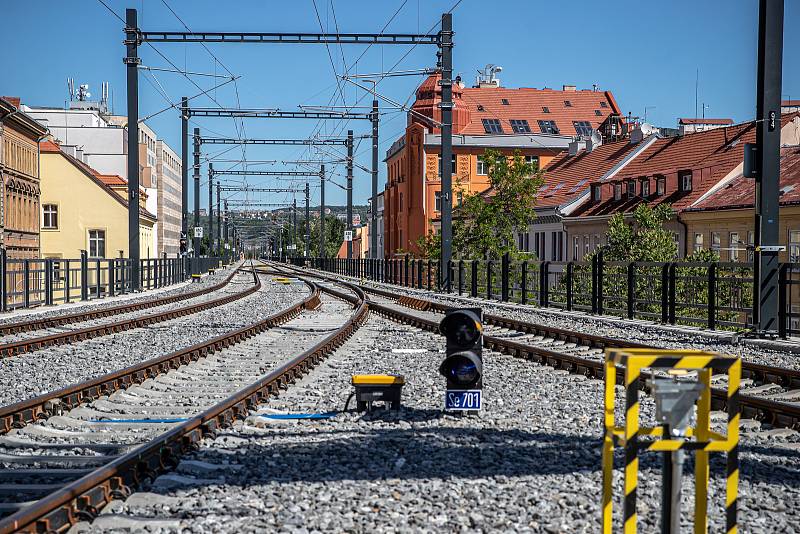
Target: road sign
198, 231
348, 235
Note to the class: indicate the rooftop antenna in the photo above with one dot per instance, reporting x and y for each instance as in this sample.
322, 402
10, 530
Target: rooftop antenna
705, 107
696, 87
71, 88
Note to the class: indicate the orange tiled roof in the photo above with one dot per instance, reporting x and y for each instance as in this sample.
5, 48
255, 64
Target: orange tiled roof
111, 179
740, 192
48, 146
473, 104
529, 104
566, 177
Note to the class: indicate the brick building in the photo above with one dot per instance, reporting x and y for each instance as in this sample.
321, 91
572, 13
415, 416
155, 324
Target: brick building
680, 171
19, 167
540, 123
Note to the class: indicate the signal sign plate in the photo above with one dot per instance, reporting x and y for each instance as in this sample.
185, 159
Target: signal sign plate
455, 399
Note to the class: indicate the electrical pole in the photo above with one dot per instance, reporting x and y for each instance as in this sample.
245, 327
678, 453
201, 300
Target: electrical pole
768, 139
196, 240
210, 209
227, 216
132, 62
322, 211
184, 174
308, 226
350, 192
294, 226
219, 225
447, 148
373, 233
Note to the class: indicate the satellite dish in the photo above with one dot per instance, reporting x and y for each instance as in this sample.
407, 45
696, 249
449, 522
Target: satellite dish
596, 137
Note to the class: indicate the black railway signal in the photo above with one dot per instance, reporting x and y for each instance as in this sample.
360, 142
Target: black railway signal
463, 363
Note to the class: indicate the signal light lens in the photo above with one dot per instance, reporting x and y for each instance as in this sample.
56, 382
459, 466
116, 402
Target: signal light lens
461, 328
462, 369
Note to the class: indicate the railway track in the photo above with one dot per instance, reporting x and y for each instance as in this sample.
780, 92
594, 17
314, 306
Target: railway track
769, 394
51, 321
68, 453
90, 325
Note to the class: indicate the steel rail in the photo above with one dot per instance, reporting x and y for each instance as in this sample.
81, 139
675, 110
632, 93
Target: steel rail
779, 414
90, 332
61, 320
83, 498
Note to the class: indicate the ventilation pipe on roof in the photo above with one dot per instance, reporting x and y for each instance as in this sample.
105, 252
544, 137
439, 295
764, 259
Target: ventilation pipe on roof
576, 146
594, 141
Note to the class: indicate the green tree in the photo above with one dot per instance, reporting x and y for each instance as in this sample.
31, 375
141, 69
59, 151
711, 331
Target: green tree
644, 239
484, 225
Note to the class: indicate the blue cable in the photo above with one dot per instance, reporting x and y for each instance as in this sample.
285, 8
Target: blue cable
326, 415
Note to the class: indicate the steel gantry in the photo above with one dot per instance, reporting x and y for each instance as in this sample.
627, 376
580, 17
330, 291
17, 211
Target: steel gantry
134, 37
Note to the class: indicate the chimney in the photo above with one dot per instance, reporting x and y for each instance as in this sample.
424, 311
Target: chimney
79, 154
68, 149
570, 88
576, 146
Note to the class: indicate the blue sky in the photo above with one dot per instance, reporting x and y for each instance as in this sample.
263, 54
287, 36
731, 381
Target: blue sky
647, 53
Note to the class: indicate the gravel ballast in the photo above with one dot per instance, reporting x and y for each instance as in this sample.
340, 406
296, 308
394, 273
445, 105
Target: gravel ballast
30, 374
529, 462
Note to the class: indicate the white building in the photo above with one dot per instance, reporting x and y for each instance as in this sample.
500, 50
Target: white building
700, 125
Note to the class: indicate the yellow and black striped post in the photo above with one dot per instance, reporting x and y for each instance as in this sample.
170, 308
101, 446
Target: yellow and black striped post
701, 439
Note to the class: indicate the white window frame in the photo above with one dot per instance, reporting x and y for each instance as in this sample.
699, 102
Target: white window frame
481, 168
699, 237
686, 182
733, 243
45, 215
437, 201
100, 238
617, 191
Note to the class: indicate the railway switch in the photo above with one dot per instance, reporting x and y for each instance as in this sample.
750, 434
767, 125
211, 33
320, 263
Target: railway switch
371, 388
463, 363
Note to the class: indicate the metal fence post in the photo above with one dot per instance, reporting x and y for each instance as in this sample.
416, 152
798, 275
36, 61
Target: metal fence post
430, 263
545, 284
489, 279
594, 284
712, 296
48, 282
460, 276
3, 281
671, 287
600, 277
97, 280
542, 285
783, 290
26, 283
84, 276
524, 282
405, 274
112, 278
665, 293
570, 284
631, 288
504, 268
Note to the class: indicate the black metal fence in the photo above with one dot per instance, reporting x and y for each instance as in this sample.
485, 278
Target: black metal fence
715, 295
26, 283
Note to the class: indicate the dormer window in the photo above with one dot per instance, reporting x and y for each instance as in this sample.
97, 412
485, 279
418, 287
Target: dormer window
631, 189
597, 193
645, 188
603, 104
545, 109
567, 104
617, 191
685, 178
598, 113
661, 185
492, 126
504, 101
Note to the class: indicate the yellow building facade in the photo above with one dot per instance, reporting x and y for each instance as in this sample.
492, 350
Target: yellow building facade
81, 212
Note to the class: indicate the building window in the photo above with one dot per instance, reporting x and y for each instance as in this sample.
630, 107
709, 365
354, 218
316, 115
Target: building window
715, 242
698, 242
794, 246
583, 128
750, 245
492, 126
452, 164
483, 167
532, 160
576, 248
560, 246
733, 243
597, 192
520, 126
661, 184
50, 218
598, 113
97, 243
567, 104
480, 107
520, 241
504, 101
437, 201
645, 188
617, 191
585, 246
686, 181
460, 198
527, 242
548, 127
631, 186
603, 104
545, 109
